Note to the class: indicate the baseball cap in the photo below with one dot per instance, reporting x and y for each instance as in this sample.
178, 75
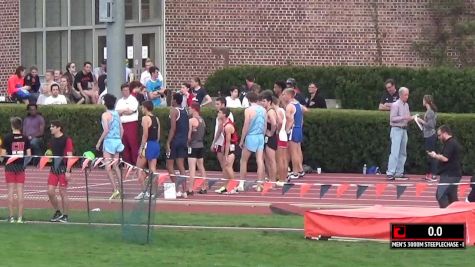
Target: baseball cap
291, 81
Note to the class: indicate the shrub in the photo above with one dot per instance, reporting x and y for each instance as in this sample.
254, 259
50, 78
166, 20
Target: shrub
362, 87
336, 140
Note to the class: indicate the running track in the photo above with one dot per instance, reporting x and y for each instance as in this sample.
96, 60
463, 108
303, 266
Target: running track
247, 202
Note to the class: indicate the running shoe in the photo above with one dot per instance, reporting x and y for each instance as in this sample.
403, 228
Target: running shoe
221, 190
64, 218
56, 216
115, 194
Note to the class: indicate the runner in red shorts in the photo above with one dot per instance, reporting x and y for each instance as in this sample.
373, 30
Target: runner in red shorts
61, 145
15, 144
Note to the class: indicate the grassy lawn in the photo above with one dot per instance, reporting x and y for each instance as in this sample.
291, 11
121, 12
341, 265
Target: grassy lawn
74, 245
175, 218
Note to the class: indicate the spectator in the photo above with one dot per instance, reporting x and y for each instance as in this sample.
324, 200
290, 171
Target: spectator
450, 168
145, 76
127, 107
66, 87
46, 87
279, 87
202, 96
389, 96
33, 128
16, 88
399, 117
70, 72
55, 98
84, 84
429, 133
250, 86
233, 100
99, 71
33, 84
291, 83
154, 87
188, 96
136, 89
315, 100
57, 76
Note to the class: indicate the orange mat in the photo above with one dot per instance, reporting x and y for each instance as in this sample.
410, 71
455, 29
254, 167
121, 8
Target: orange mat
374, 222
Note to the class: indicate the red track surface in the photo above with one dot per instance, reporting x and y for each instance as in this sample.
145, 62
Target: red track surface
246, 202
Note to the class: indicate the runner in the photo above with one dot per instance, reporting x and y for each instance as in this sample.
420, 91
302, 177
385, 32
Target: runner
294, 116
15, 143
177, 141
271, 138
149, 147
253, 136
61, 145
228, 148
196, 133
112, 145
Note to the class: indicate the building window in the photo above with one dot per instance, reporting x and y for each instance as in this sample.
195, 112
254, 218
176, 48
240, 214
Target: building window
31, 13
56, 49
81, 46
54, 32
32, 50
56, 13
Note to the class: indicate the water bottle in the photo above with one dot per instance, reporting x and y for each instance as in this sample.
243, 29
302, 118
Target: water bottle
364, 169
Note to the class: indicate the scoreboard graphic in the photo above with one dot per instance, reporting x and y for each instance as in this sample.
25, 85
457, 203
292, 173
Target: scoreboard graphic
427, 236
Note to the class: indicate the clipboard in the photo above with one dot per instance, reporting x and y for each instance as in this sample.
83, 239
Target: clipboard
416, 117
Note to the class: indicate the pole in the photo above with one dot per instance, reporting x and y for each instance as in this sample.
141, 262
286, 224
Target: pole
150, 183
86, 174
116, 49
121, 195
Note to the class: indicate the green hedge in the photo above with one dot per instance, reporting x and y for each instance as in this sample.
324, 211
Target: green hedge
336, 140
362, 87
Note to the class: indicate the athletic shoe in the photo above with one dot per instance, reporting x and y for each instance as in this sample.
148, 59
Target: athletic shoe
115, 194
232, 192
202, 191
64, 219
432, 178
279, 184
20, 220
302, 174
179, 194
402, 177
140, 196
240, 187
221, 190
56, 216
390, 177
190, 193
11, 219
294, 176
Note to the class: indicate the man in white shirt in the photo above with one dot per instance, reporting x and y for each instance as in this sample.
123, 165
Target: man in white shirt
146, 76
127, 107
55, 98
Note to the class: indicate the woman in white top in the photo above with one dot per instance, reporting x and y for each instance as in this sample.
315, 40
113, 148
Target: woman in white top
281, 155
233, 100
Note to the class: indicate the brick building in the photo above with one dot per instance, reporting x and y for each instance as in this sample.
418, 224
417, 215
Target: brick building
195, 37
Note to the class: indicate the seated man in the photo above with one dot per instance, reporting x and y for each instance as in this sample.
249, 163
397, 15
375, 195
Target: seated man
389, 96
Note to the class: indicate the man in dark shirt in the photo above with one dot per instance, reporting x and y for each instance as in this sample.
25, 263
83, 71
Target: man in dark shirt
201, 96
389, 96
450, 169
291, 83
315, 100
33, 129
32, 81
18, 145
84, 84
250, 86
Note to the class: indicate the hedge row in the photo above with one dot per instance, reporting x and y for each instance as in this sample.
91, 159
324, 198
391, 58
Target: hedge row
362, 87
336, 140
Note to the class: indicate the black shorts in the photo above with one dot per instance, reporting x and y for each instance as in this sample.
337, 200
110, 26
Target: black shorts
178, 150
195, 153
271, 142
